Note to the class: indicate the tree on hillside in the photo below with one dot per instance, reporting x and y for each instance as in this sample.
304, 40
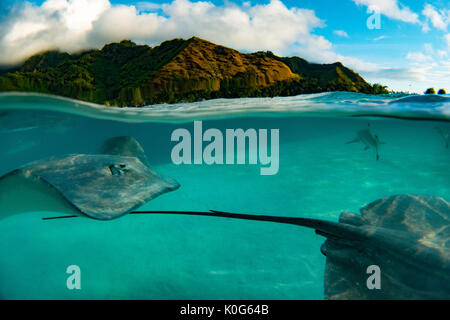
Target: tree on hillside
379, 89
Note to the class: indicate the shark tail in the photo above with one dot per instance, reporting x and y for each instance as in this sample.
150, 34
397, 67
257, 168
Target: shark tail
353, 141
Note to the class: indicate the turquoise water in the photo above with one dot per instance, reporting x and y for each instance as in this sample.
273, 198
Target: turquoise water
188, 257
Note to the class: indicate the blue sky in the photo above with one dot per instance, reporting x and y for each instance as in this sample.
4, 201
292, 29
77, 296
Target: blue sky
410, 50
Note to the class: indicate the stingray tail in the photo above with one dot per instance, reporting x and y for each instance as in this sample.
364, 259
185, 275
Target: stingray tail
61, 217
322, 227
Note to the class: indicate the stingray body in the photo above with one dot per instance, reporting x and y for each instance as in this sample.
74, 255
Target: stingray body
406, 236
369, 140
99, 186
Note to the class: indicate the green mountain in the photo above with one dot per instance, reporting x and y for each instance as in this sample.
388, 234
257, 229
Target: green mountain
327, 77
127, 74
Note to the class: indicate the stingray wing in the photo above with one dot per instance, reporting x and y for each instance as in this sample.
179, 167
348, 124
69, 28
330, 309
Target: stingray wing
102, 187
424, 217
407, 236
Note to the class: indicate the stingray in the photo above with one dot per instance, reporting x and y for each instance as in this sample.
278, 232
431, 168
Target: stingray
99, 186
369, 140
406, 236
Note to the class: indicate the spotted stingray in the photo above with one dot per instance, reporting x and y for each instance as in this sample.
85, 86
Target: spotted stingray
99, 186
406, 236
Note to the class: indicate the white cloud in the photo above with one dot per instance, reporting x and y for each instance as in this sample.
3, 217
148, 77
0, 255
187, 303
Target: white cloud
438, 19
428, 68
415, 79
341, 33
260, 27
64, 25
411, 74
73, 25
447, 39
442, 53
124, 22
391, 9
418, 57
56, 24
426, 27
379, 38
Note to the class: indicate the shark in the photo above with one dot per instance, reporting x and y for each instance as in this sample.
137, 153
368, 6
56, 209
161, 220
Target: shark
445, 135
369, 140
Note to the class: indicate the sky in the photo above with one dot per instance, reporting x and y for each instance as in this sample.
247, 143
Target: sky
402, 44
